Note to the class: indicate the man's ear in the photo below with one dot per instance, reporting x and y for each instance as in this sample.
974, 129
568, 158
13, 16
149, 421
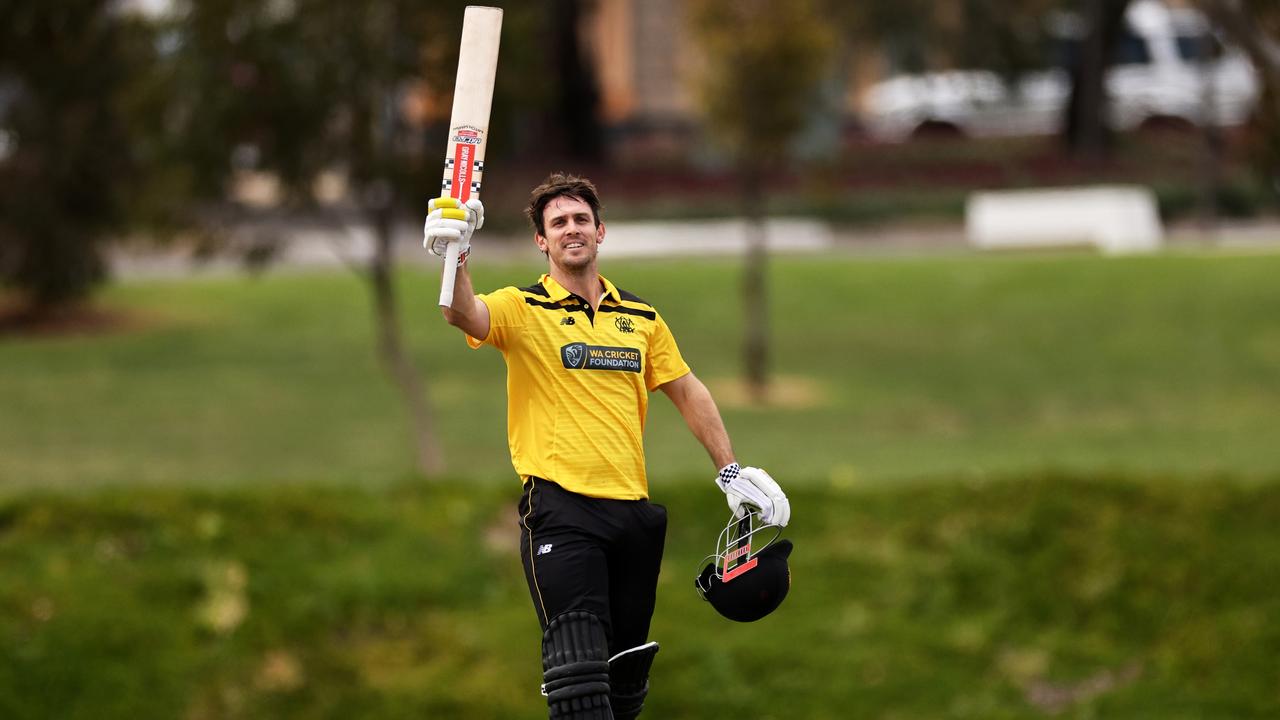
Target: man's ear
541, 242
600, 233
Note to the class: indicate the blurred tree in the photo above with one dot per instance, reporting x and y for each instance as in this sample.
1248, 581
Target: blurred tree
78, 108
1254, 25
762, 72
1086, 131
304, 89
296, 88
576, 111
923, 35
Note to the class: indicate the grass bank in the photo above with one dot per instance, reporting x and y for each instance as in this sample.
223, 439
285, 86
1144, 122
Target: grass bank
1016, 598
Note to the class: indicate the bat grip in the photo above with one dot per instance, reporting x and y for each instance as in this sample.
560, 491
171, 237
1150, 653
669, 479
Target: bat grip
450, 273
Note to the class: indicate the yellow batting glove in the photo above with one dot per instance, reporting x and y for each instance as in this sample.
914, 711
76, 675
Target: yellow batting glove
449, 207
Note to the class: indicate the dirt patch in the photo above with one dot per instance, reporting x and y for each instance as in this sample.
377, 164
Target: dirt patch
1055, 698
20, 320
502, 534
280, 672
784, 392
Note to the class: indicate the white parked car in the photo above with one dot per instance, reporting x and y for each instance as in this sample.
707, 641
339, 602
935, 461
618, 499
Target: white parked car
1158, 75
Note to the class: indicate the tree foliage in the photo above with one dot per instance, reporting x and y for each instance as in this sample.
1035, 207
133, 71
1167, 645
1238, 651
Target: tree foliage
1254, 25
114, 122
922, 35
301, 87
317, 85
761, 72
77, 103
297, 88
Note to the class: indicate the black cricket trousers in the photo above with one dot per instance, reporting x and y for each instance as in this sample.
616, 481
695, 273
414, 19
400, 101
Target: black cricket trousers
594, 554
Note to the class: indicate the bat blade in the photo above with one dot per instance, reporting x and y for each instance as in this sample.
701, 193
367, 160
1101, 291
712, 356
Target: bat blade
469, 122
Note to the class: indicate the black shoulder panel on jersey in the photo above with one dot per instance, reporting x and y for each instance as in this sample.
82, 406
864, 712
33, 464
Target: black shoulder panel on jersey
633, 297
576, 307
536, 289
624, 310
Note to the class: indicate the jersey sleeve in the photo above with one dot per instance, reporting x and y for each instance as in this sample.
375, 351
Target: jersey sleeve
506, 317
665, 362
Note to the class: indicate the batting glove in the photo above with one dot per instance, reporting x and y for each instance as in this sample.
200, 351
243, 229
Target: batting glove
752, 486
450, 220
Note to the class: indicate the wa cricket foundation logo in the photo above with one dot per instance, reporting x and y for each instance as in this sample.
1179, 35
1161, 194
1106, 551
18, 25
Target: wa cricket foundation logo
581, 356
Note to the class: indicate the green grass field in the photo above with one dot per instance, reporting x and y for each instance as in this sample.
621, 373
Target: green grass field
1022, 487
916, 369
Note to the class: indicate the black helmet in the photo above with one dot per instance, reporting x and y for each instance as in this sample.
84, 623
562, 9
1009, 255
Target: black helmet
742, 584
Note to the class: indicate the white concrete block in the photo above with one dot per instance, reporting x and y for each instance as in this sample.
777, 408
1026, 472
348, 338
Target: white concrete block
1116, 219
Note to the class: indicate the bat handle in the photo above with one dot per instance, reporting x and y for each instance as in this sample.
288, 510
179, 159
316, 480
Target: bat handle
450, 273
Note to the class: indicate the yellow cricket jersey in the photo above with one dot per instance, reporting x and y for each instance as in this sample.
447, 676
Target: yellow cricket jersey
578, 383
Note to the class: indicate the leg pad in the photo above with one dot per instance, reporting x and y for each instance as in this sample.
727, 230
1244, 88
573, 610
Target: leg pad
629, 680
575, 667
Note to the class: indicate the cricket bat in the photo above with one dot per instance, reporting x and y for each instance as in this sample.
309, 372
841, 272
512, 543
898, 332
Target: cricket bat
469, 123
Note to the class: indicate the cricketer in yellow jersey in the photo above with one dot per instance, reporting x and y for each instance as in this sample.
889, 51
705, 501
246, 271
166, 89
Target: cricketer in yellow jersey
582, 356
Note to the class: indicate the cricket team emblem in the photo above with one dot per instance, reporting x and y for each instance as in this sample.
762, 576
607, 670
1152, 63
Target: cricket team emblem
574, 355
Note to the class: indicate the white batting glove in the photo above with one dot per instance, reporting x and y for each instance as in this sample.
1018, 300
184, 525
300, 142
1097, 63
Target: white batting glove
752, 486
450, 221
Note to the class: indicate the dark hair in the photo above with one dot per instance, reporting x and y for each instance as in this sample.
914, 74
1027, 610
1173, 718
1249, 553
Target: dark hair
561, 185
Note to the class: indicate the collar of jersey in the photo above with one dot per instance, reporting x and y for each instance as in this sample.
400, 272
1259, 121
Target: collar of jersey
556, 291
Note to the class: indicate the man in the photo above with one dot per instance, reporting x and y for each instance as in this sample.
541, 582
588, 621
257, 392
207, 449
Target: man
582, 356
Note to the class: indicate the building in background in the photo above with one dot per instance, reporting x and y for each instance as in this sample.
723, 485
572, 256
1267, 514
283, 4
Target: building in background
646, 65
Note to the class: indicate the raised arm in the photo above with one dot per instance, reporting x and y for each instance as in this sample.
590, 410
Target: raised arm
468, 312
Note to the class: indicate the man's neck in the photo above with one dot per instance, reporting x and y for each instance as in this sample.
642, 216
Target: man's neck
585, 284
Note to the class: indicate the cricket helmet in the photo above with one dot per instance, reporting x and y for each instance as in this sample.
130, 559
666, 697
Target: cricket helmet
747, 577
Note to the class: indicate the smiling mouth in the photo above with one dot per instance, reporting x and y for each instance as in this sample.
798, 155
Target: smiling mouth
574, 245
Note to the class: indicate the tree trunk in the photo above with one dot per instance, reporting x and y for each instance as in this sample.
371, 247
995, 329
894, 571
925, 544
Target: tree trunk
1087, 132
1211, 152
577, 110
391, 350
755, 346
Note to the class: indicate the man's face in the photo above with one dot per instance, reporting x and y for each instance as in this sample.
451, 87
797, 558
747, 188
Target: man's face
572, 238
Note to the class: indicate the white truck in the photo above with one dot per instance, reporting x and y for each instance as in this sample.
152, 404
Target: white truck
1160, 74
